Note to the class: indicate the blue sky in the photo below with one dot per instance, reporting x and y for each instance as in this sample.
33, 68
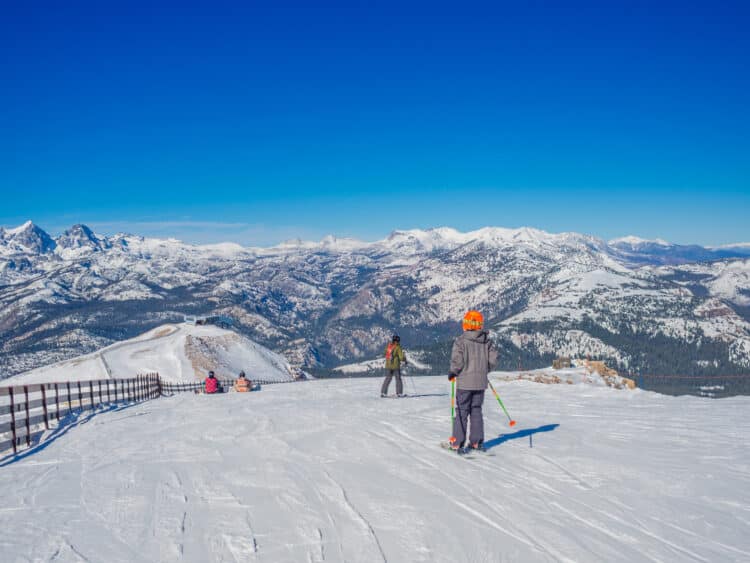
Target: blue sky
261, 121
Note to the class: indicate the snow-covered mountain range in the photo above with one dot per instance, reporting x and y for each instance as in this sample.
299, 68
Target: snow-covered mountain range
646, 306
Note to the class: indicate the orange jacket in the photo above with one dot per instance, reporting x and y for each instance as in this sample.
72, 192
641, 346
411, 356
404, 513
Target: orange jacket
242, 385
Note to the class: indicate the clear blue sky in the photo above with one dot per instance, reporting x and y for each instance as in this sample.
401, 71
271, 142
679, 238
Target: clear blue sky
260, 121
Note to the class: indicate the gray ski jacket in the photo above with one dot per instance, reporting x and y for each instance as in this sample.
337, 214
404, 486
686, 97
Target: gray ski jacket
472, 358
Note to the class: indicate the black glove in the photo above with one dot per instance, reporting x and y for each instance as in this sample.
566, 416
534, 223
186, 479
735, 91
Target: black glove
452, 376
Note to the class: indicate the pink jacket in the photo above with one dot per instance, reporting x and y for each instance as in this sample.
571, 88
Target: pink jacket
211, 384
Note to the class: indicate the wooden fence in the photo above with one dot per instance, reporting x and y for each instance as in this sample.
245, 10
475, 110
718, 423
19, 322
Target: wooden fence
26, 411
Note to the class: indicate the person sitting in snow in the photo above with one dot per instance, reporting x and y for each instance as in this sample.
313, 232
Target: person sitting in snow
211, 384
394, 356
472, 358
242, 385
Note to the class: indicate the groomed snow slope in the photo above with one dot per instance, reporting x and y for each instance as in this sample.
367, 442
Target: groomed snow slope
328, 471
181, 352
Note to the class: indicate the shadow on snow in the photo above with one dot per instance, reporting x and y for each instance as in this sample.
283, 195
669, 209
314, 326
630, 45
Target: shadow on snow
66, 423
520, 434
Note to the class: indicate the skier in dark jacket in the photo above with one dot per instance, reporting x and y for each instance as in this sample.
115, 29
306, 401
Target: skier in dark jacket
472, 358
394, 357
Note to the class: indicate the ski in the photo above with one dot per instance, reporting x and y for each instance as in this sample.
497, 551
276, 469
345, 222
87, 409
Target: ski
480, 453
469, 453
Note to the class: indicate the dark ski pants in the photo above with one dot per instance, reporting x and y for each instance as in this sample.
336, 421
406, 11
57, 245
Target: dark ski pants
469, 406
389, 373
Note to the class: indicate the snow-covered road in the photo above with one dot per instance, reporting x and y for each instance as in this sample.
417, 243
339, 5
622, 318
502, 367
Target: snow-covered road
328, 471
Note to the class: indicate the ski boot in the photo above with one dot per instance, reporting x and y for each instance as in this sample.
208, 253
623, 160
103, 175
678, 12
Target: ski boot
478, 447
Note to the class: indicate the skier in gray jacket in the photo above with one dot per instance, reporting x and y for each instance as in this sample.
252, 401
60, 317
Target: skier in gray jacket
472, 358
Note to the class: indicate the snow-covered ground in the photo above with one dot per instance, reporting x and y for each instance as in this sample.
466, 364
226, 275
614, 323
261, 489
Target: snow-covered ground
182, 352
328, 471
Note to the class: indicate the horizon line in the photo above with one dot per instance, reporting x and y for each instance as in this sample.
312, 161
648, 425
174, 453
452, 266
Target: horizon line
114, 228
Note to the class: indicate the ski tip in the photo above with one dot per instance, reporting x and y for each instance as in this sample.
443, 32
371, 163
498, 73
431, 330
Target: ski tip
512, 423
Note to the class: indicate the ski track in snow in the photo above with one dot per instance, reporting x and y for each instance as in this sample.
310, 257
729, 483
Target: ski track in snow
326, 471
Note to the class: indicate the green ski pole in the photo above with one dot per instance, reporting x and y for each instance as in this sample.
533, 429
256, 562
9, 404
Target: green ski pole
453, 408
512, 422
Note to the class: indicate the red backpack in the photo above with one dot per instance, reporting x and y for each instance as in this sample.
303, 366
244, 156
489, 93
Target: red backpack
389, 352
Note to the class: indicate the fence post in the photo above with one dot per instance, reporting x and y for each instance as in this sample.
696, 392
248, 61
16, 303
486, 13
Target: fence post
57, 403
109, 399
158, 383
91, 393
13, 419
68, 384
44, 405
28, 426
80, 396
101, 399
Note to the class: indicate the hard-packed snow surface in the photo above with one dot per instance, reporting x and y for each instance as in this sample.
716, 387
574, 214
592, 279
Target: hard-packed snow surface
328, 471
181, 352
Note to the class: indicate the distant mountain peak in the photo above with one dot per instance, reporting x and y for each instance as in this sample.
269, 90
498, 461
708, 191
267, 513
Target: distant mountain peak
27, 239
79, 240
21, 228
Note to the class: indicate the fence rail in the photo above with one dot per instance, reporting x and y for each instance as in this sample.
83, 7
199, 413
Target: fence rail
690, 377
26, 411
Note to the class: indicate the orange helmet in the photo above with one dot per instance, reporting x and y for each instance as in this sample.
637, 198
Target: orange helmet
473, 320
